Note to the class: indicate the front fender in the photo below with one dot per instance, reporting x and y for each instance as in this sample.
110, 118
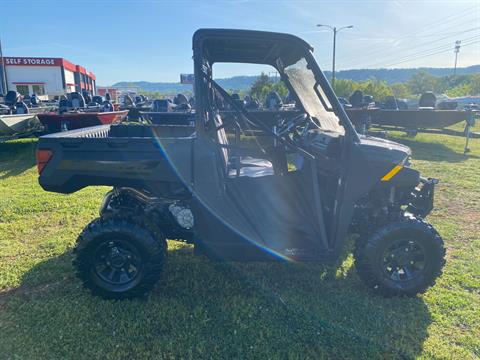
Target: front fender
421, 198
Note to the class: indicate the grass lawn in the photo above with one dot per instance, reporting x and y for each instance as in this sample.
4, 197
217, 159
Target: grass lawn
203, 309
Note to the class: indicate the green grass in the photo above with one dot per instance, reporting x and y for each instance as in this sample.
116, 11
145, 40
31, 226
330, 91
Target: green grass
203, 309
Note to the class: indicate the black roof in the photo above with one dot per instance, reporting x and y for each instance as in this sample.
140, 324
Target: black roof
251, 46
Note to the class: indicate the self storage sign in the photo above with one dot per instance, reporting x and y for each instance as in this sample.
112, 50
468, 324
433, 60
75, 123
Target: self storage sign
33, 61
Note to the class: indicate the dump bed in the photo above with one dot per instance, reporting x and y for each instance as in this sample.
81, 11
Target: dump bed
141, 156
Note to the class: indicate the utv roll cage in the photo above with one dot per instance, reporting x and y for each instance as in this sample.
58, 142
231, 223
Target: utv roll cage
212, 46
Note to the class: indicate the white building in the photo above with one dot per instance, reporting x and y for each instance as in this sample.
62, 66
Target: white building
46, 76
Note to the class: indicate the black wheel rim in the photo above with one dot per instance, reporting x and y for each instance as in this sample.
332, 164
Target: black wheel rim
117, 262
404, 260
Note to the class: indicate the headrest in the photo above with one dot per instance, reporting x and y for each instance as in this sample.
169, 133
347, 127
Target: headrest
11, 98
34, 100
107, 106
180, 99
21, 108
87, 97
162, 105
356, 99
98, 99
76, 100
273, 100
428, 99
127, 100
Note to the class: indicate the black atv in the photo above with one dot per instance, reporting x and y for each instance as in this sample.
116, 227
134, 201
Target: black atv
247, 184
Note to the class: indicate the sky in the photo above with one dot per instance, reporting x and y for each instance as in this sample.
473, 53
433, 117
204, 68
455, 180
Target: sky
151, 39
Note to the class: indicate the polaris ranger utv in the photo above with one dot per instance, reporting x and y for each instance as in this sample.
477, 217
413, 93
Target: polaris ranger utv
247, 185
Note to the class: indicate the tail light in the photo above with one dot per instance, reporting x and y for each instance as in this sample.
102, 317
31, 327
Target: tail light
43, 157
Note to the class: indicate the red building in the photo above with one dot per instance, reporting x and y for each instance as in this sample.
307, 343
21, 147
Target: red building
47, 76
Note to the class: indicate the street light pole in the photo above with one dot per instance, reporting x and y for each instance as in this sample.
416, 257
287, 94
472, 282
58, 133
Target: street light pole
335, 31
333, 58
3, 80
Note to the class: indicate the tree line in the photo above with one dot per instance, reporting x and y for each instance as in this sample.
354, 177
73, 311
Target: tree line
422, 81
452, 85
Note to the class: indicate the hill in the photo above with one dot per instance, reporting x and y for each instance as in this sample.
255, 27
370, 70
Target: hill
399, 75
244, 82
235, 82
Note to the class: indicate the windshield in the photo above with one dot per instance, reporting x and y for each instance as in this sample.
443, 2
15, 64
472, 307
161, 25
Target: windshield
311, 95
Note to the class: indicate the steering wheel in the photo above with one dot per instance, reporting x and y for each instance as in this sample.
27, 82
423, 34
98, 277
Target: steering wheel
285, 127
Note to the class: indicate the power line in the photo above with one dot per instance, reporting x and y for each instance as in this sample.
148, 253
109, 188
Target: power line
413, 54
418, 33
439, 26
355, 36
437, 48
419, 47
406, 47
442, 19
431, 54
439, 21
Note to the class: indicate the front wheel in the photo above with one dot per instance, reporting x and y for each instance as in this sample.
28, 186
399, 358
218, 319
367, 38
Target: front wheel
117, 259
401, 258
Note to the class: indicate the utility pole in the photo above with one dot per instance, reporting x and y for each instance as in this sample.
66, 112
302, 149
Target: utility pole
457, 50
4, 71
335, 31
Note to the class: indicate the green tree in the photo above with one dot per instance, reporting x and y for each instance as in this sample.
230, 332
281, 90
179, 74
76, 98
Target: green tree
280, 88
257, 89
422, 82
459, 85
460, 90
475, 84
377, 88
263, 85
400, 90
152, 94
344, 88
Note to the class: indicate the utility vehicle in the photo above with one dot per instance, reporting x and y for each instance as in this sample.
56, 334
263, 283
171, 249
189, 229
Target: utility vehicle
247, 186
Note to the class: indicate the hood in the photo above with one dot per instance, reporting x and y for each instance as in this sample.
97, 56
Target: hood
383, 150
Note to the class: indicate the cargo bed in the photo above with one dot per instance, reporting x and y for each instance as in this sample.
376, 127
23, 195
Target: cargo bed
126, 155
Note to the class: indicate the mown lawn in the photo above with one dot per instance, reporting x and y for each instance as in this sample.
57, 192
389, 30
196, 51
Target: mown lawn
229, 310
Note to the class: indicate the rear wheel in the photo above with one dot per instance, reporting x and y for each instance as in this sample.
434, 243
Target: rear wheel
118, 259
401, 258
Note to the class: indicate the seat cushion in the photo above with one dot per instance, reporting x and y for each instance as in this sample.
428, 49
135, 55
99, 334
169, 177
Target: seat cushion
249, 161
252, 167
252, 171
